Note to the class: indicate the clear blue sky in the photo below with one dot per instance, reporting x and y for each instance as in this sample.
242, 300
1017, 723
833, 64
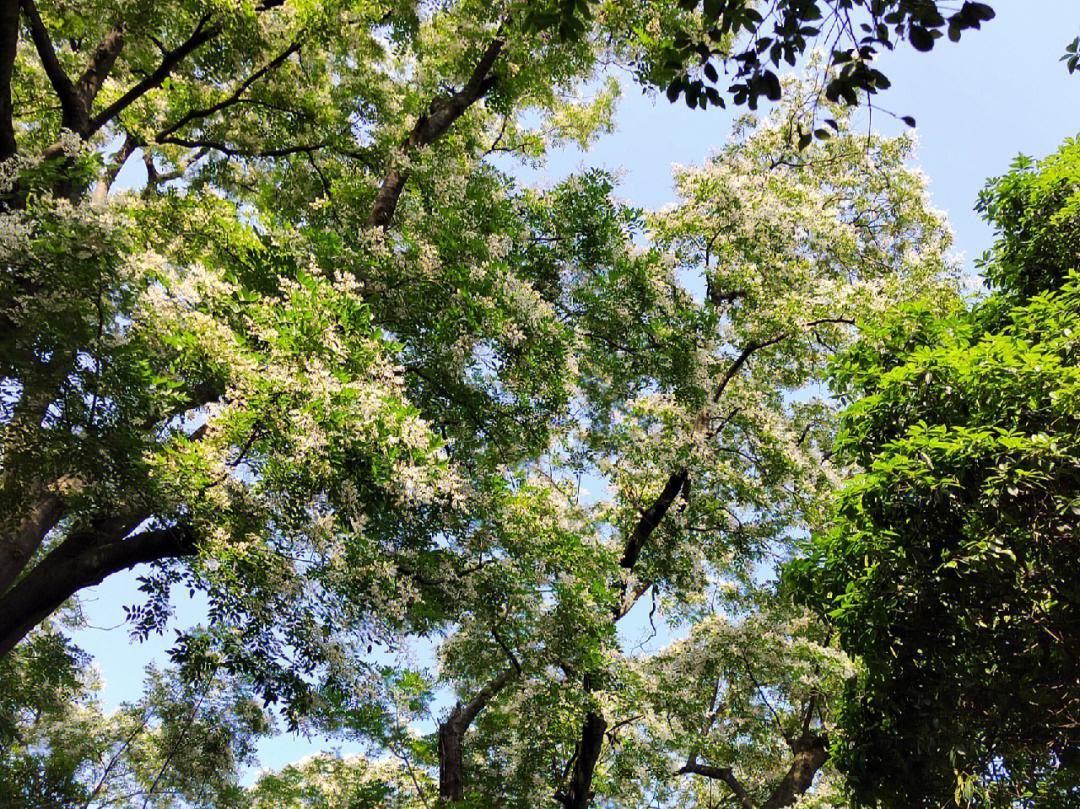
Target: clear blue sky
979, 103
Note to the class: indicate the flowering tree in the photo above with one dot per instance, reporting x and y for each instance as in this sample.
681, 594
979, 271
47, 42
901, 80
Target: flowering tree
332, 369
712, 456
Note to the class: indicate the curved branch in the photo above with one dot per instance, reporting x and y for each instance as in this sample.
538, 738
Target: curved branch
82, 560
724, 774
452, 734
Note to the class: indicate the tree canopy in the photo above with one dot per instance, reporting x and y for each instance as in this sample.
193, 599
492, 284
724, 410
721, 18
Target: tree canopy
281, 327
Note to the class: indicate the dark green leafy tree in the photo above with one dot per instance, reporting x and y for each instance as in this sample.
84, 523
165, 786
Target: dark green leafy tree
950, 568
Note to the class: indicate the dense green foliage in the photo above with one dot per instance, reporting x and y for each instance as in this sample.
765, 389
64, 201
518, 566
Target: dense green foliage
184, 742
416, 446
950, 568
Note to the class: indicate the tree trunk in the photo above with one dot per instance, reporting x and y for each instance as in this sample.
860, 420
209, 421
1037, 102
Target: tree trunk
9, 43
452, 735
810, 754
579, 792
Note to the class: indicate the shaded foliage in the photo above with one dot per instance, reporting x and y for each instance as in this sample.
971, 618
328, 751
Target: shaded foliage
949, 569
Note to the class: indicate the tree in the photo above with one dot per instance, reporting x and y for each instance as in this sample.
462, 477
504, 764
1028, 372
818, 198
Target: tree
328, 782
948, 566
218, 371
181, 744
334, 370
219, 378
711, 457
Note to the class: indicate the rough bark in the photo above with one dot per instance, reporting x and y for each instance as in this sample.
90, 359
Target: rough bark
452, 735
810, 752
19, 546
86, 558
9, 43
578, 793
432, 125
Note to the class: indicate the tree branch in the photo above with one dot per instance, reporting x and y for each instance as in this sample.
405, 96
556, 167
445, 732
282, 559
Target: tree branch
101, 63
432, 125
724, 774
18, 547
578, 794
116, 163
652, 517
232, 151
203, 32
787, 737
810, 754
234, 97
72, 110
82, 560
452, 735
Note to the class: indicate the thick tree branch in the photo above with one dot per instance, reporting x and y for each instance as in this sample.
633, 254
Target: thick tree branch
9, 45
101, 63
17, 548
76, 98
652, 517
432, 125
452, 734
84, 559
724, 774
578, 794
810, 754
71, 109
